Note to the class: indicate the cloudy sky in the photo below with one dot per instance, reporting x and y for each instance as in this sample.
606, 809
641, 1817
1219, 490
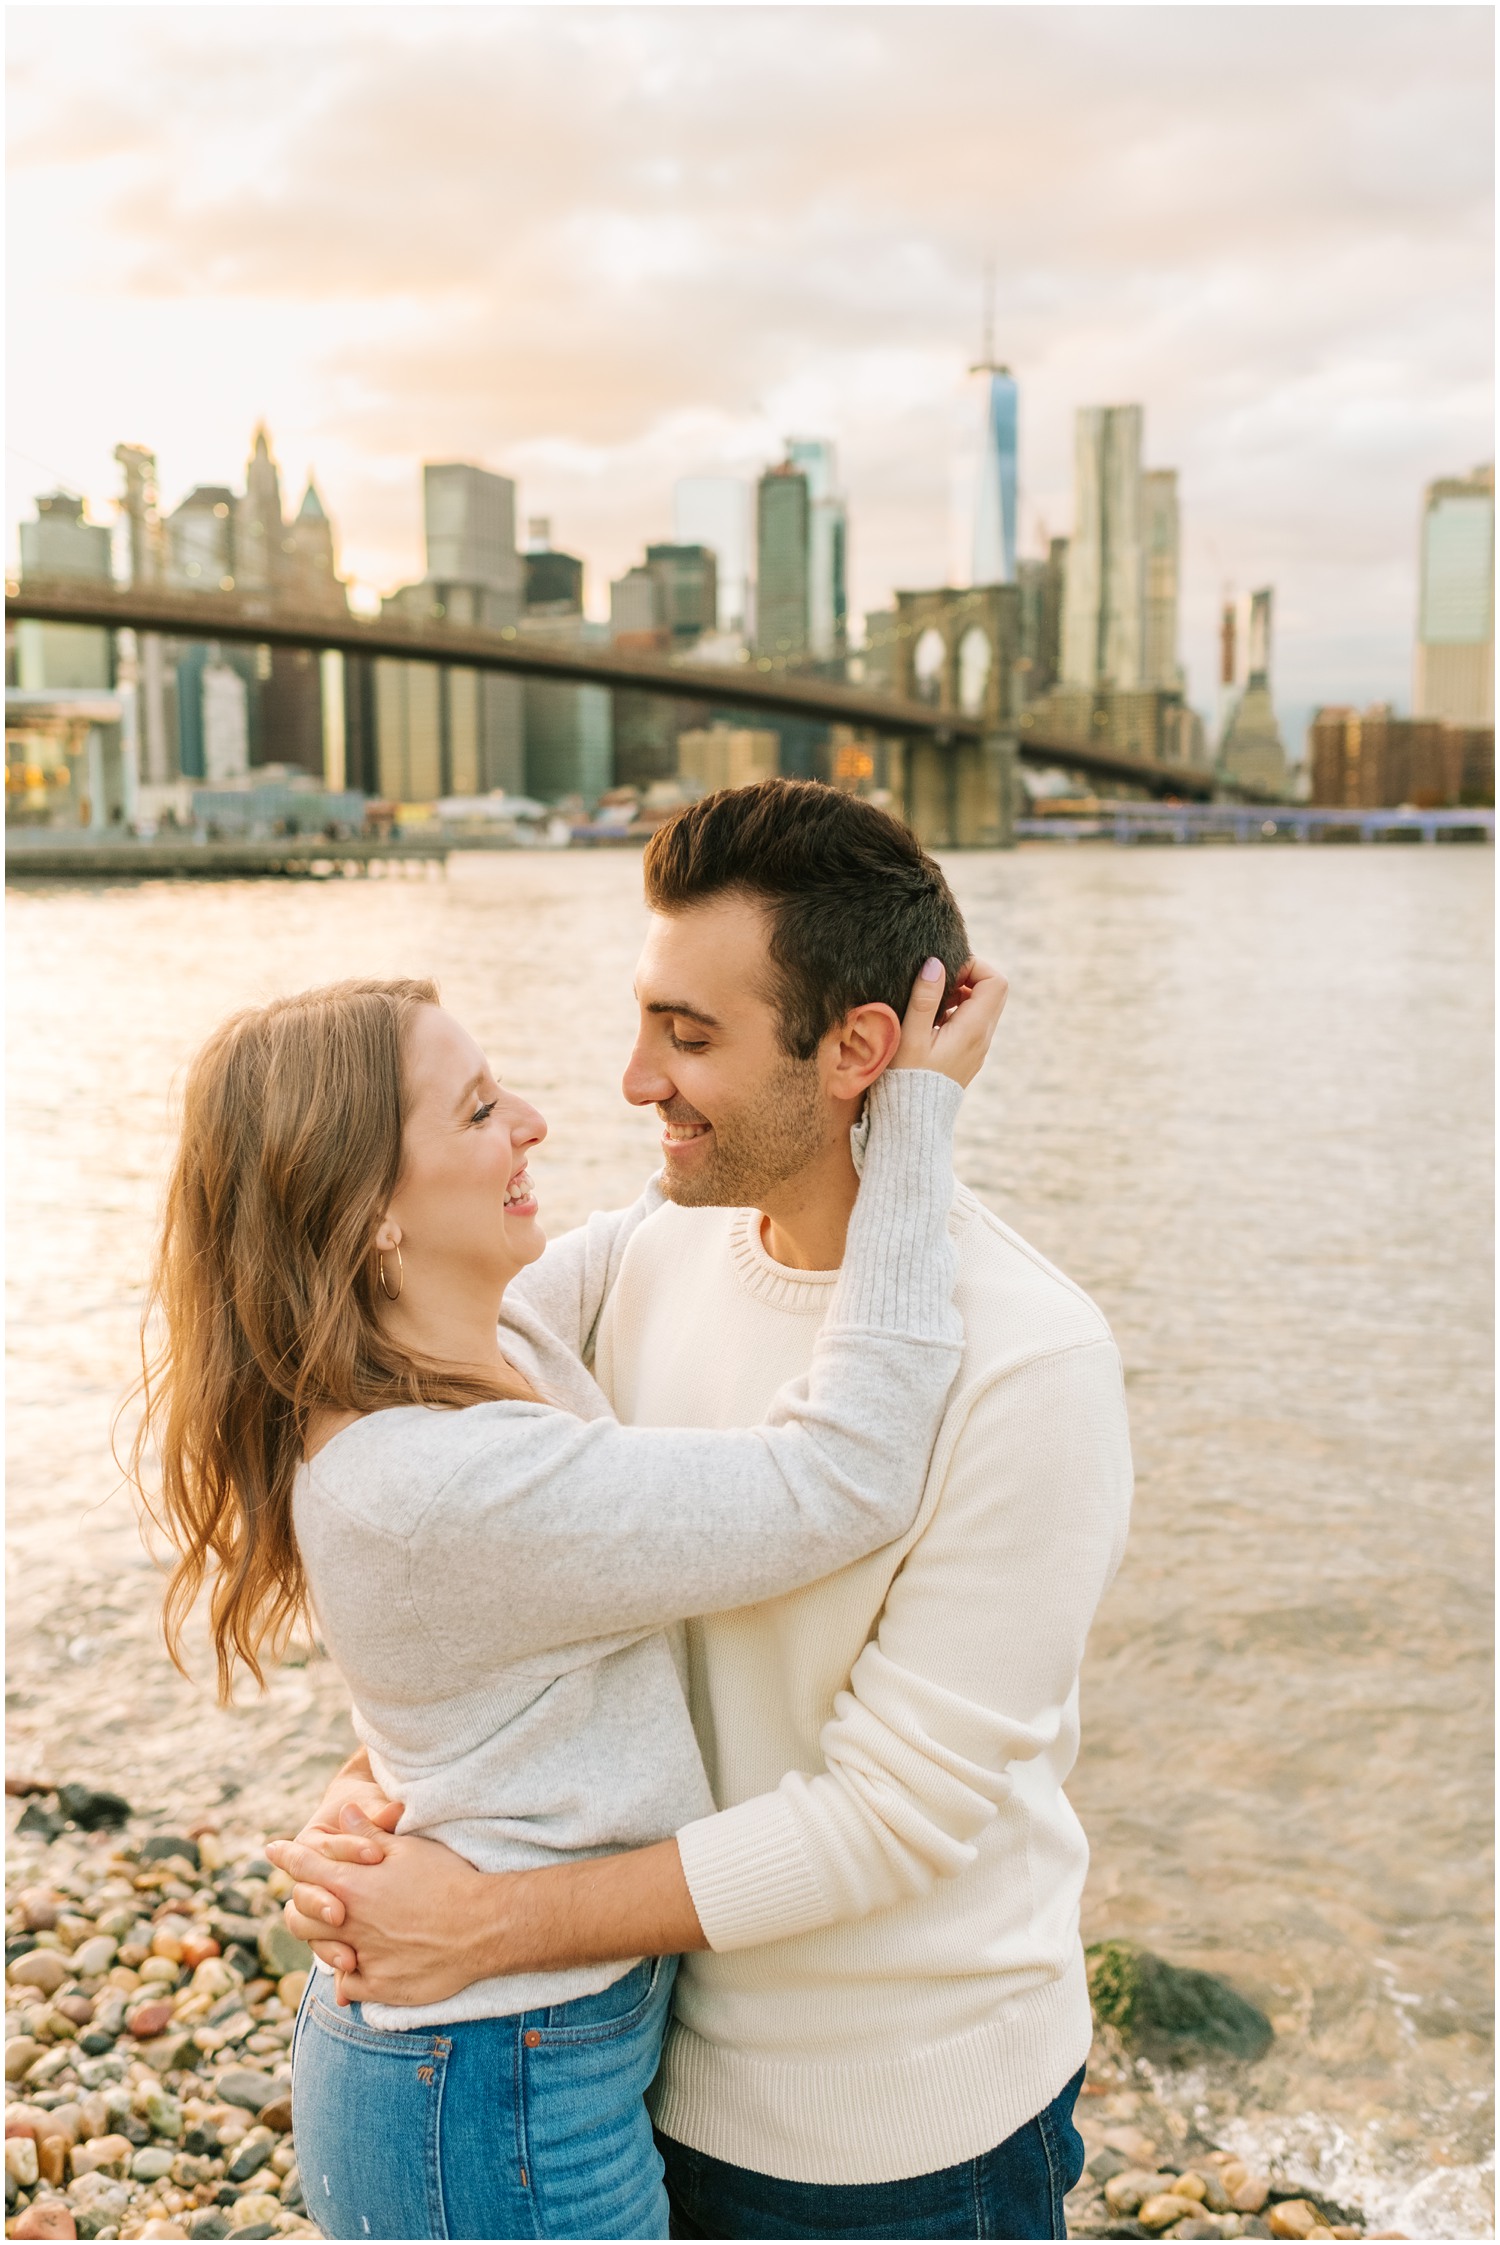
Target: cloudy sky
599, 248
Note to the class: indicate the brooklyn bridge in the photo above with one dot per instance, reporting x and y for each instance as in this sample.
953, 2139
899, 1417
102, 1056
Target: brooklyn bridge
957, 765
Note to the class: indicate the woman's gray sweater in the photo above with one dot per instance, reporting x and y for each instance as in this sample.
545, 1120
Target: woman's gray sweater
498, 1585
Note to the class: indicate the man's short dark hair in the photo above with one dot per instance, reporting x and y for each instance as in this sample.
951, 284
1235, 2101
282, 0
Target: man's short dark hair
855, 903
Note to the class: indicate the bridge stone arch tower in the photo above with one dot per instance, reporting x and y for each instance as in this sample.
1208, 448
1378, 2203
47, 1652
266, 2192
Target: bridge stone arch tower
958, 649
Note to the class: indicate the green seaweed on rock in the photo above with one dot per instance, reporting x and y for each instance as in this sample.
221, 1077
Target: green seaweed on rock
1168, 2012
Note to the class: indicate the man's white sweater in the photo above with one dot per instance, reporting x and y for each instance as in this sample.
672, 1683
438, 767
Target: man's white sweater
891, 1888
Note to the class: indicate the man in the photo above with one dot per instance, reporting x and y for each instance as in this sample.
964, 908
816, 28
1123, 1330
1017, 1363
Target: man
881, 2014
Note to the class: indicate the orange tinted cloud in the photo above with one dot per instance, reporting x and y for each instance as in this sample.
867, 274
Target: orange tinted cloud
600, 248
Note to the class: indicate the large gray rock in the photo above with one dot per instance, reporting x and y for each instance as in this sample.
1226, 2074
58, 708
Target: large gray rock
1169, 2013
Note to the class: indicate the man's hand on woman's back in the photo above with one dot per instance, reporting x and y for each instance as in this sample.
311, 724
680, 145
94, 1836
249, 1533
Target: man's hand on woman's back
360, 1837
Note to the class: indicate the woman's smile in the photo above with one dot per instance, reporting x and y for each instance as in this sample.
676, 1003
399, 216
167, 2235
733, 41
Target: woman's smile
520, 1195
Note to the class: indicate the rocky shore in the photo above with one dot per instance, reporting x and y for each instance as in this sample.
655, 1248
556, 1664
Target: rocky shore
1150, 2174
152, 1987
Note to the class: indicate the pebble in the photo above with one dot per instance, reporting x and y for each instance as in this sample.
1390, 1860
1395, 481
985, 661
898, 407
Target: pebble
242, 2087
52, 2159
152, 2163
253, 2208
152, 1988
253, 2153
40, 1968
93, 1957
161, 2112
148, 2019
109, 2155
21, 2054
1123, 2194
48, 2217
168, 1846
1164, 2207
1293, 2217
20, 2160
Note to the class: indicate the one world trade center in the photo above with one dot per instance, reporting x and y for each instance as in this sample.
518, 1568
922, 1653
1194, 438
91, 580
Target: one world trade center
995, 512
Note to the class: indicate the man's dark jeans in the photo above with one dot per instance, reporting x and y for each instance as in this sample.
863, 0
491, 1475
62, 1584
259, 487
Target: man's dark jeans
1016, 2190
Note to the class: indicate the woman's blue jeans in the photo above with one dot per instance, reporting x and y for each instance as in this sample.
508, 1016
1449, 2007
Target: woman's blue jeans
530, 2126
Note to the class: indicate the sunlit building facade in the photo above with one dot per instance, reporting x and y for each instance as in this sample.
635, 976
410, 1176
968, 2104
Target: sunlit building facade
783, 557
440, 731
1455, 665
62, 542
1160, 539
1103, 635
714, 511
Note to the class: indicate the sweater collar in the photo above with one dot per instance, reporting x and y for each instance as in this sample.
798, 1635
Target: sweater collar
802, 1292
769, 1281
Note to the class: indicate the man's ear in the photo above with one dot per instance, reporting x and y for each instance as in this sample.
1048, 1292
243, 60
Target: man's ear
861, 1048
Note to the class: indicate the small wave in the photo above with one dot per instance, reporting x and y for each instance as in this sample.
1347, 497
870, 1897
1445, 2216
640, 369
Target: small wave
1311, 2148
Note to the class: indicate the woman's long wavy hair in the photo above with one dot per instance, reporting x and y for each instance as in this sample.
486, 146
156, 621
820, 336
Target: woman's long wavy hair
263, 1303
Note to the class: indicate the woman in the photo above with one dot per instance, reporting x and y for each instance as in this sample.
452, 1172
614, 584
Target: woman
493, 1561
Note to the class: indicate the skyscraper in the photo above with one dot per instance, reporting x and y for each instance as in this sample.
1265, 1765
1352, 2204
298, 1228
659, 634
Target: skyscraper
256, 558
635, 611
309, 574
1251, 750
1103, 640
456, 732
714, 511
688, 577
62, 543
143, 521
1455, 667
995, 510
783, 551
551, 580
569, 729
200, 541
78, 759
470, 520
827, 560
1159, 536
995, 498
1041, 586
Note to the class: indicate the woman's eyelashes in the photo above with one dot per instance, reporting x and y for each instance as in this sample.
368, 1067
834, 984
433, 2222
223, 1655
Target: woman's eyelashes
483, 1112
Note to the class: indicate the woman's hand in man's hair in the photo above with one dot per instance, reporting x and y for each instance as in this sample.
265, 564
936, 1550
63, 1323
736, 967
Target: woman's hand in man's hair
952, 1038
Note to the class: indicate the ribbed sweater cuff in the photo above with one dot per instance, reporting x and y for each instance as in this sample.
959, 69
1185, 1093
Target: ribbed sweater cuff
749, 1875
899, 1267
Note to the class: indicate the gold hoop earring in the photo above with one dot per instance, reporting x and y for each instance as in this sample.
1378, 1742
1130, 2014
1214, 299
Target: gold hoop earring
400, 1273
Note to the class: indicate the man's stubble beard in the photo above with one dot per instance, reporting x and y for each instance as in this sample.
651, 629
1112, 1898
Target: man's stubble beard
759, 1146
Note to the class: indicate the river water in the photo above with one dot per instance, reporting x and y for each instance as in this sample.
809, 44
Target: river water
1243, 1096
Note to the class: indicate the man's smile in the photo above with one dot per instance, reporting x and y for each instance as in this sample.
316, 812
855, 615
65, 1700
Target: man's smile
676, 1136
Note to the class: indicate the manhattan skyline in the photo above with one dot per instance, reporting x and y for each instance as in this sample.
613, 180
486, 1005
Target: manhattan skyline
599, 250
